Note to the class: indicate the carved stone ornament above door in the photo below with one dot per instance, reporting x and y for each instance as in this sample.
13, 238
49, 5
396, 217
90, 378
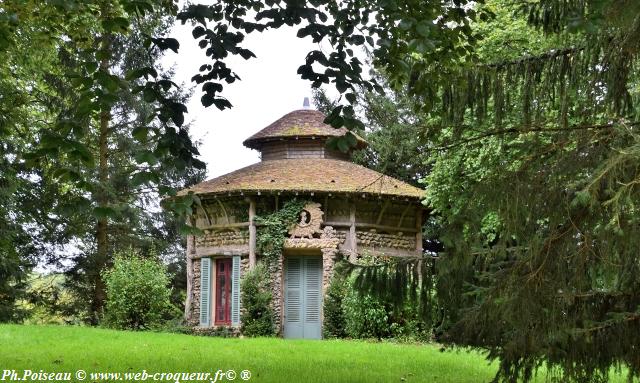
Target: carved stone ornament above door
309, 222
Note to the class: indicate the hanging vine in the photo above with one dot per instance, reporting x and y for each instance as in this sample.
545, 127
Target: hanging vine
273, 228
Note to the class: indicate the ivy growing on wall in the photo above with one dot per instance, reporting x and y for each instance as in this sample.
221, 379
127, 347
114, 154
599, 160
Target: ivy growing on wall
273, 228
272, 231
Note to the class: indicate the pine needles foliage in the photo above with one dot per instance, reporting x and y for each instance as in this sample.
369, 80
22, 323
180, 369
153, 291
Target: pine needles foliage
540, 268
398, 282
390, 298
540, 215
533, 182
559, 282
582, 78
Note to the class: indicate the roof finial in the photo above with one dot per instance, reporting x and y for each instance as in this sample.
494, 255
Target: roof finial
306, 104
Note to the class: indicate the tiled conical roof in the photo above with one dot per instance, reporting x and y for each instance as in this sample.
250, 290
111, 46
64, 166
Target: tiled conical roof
299, 123
306, 175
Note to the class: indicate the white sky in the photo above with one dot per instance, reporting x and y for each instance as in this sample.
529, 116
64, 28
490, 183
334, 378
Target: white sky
270, 88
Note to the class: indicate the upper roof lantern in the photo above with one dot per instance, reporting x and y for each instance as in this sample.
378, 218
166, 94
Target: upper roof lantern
302, 123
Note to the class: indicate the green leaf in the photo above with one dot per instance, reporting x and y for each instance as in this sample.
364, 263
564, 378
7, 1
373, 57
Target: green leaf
341, 85
166, 84
337, 122
146, 156
423, 29
351, 139
107, 99
140, 133
343, 145
212, 87
50, 140
138, 6
65, 174
116, 24
198, 32
219, 102
357, 39
166, 43
177, 111
103, 54
140, 72
332, 143
149, 94
246, 54
107, 80
405, 24
91, 66
335, 113
166, 191
82, 152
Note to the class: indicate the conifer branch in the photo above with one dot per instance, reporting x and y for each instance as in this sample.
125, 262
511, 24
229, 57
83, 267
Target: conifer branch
533, 129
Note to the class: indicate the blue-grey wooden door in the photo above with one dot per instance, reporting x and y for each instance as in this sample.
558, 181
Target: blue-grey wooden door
303, 297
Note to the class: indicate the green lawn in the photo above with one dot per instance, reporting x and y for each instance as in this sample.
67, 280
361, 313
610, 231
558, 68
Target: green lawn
66, 349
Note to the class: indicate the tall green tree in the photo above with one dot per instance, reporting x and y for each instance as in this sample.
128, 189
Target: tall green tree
130, 168
394, 132
534, 178
533, 163
107, 140
16, 251
21, 245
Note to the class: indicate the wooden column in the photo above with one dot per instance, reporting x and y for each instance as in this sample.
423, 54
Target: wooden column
191, 249
419, 230
353, 239
252, 233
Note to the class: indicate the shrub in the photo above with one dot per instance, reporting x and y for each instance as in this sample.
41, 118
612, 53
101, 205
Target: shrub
257, 314
334, 325
137, 294
410, 329
50, 301
370, 316
365, 316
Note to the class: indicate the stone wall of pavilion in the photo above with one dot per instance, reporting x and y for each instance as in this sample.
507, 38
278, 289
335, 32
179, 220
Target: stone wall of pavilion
195, 294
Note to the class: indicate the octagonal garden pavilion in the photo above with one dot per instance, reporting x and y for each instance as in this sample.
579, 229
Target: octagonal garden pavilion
352, 211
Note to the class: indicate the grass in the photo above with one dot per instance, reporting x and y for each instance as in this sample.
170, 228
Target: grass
67, 349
